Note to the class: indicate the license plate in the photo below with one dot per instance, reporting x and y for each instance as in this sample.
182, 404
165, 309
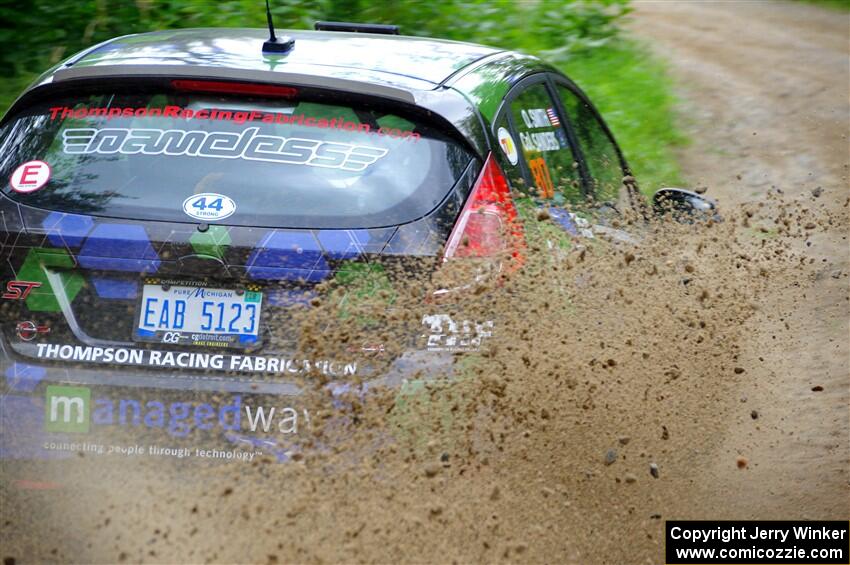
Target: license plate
190, 315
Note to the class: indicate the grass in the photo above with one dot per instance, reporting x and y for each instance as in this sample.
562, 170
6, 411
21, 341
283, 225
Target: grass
842, 5
634, 94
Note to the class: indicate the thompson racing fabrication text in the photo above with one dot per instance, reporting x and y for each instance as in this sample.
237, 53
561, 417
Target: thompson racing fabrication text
192, 360
236, 116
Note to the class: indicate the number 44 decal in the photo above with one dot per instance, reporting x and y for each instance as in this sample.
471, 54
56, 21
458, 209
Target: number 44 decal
202, 204
209, 206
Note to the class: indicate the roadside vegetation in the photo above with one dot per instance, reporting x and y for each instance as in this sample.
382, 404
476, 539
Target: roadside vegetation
582, 37
842, 5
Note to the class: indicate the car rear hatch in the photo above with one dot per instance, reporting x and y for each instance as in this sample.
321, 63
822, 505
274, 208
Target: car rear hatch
186, 227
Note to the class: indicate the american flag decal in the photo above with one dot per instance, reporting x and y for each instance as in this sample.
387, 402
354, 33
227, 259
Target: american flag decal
553, 117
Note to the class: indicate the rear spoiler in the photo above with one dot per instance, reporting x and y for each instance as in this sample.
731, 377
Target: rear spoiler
265, 77
444, 104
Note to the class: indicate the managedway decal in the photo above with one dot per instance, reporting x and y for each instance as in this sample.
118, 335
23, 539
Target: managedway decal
248, 145
76, 410
186, 360
70, 409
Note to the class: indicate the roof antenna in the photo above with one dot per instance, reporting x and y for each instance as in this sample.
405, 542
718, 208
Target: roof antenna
275, 45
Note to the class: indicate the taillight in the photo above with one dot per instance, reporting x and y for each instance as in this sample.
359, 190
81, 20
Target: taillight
244, 88
488, 225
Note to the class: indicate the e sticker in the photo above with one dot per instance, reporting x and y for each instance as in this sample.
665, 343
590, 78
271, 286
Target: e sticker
209, 206
508, 146
30, 176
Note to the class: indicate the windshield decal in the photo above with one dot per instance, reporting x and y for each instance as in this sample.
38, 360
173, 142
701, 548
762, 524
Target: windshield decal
506, 141
540, 118
248, 145
541, 141
30, 176
237, 116
209, 206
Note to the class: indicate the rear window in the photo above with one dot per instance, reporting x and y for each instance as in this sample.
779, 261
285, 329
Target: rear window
196, 157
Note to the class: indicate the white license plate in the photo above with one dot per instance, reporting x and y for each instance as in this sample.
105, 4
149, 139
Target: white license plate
199, 316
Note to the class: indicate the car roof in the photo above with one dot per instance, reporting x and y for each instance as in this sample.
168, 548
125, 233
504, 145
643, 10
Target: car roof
346, 54
450, 79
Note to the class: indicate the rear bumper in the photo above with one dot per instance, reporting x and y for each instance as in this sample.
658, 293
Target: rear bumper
54, 410
27, 364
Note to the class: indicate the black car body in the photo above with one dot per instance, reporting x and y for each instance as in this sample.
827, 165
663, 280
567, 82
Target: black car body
191, 163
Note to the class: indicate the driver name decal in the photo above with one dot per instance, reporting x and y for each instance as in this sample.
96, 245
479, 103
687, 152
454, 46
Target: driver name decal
249, 145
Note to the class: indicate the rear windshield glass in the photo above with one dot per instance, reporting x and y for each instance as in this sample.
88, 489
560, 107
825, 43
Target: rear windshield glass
192, 157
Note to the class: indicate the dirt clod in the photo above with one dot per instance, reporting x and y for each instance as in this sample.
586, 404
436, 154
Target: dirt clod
653, 470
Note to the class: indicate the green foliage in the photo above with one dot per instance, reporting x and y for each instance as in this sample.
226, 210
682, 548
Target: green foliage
841, 5
35, 35
39, 33
633, 92
629, 87
530, 26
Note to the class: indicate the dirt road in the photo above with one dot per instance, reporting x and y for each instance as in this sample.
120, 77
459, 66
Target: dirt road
701, 375
765, 90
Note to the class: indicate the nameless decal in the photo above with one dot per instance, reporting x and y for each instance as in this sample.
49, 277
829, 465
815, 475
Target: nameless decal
249, 145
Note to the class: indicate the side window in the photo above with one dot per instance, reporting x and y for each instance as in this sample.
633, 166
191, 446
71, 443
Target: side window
600, 153
551, 169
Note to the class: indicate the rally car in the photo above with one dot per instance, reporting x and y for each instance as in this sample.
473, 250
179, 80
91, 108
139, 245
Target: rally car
169, 199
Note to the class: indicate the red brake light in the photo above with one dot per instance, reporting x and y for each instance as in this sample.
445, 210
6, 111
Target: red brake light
488, 225
245, 88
